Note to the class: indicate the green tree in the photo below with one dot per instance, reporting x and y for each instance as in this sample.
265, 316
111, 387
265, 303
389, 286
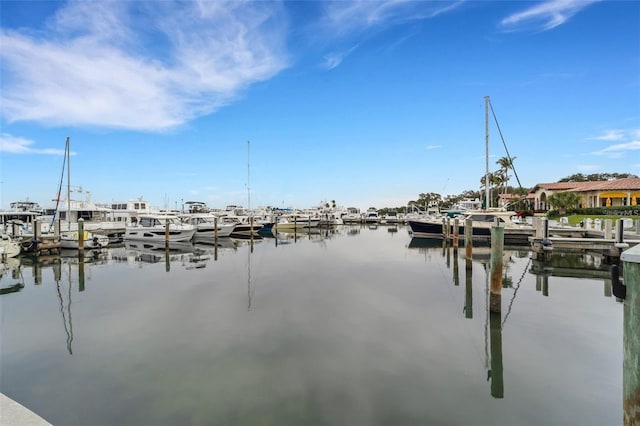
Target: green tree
505, 164
564, 200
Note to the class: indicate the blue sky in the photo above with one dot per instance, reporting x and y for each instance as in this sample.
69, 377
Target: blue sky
367, 103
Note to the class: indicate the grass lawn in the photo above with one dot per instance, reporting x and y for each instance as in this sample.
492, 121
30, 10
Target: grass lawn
576, 219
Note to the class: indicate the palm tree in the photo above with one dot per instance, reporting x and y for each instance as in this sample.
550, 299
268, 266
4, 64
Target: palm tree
564, 200
505, 164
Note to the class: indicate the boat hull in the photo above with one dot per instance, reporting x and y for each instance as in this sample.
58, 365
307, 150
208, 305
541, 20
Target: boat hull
158, 235
428, 229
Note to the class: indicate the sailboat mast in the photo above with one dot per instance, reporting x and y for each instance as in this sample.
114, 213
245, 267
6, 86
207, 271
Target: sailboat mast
486, 144
68, 185
249, 175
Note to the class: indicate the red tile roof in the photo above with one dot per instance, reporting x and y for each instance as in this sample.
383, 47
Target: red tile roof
632, 184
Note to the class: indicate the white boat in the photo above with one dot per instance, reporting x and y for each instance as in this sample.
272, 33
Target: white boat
352, 216
154, 228
70, 240
8, 247
296, 221
206, 225
371, 216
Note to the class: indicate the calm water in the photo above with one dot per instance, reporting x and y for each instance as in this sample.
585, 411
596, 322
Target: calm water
359, 326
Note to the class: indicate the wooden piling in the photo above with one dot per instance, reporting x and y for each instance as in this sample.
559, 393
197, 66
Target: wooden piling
631, 339
456, 233
608, 233
619, 238
497, 251
444, 228
215, 230
166, 231
468, 238
80, 237
468, 294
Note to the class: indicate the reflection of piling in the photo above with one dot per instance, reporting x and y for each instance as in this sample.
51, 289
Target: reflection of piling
167, 260
57, 271
497, 249
456, 274
631, 362
81, 275
468, 238
496, 374
468, 294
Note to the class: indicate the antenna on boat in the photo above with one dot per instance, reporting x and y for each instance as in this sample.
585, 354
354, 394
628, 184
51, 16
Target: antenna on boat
486, 143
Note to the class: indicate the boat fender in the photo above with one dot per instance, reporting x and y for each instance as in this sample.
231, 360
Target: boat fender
619, 289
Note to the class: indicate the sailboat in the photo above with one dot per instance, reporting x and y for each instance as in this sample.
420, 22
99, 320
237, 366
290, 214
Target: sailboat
71, 239
482, 220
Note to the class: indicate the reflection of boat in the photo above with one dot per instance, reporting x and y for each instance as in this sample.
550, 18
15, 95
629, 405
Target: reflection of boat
8, 247
425, 243
152, 228
12, 265
160, 246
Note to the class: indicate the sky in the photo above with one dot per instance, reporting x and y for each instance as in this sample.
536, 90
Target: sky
298, 103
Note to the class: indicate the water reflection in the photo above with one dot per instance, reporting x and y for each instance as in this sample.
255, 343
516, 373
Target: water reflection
332, 328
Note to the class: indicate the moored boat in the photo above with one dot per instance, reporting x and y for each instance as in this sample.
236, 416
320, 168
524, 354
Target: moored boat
154, 228
8, 247
208, 226
481, 221
90, 240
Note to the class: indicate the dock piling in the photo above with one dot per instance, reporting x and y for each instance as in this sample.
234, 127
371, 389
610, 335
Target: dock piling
497, 252
631, 339
456, 233
468, 238
80, 237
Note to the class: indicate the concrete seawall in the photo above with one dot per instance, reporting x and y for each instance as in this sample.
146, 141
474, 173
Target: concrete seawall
15, 414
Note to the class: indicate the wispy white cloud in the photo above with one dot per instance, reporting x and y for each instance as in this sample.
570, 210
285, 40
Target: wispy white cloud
610, 135
354, 16
98, 63
17, 145
628, 140
355, 19
430, 147
333, 59
588, 167
546, 15
629, 146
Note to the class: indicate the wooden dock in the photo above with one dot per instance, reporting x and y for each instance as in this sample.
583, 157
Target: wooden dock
606, 243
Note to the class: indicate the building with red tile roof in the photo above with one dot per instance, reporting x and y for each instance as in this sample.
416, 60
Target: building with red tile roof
618, 192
